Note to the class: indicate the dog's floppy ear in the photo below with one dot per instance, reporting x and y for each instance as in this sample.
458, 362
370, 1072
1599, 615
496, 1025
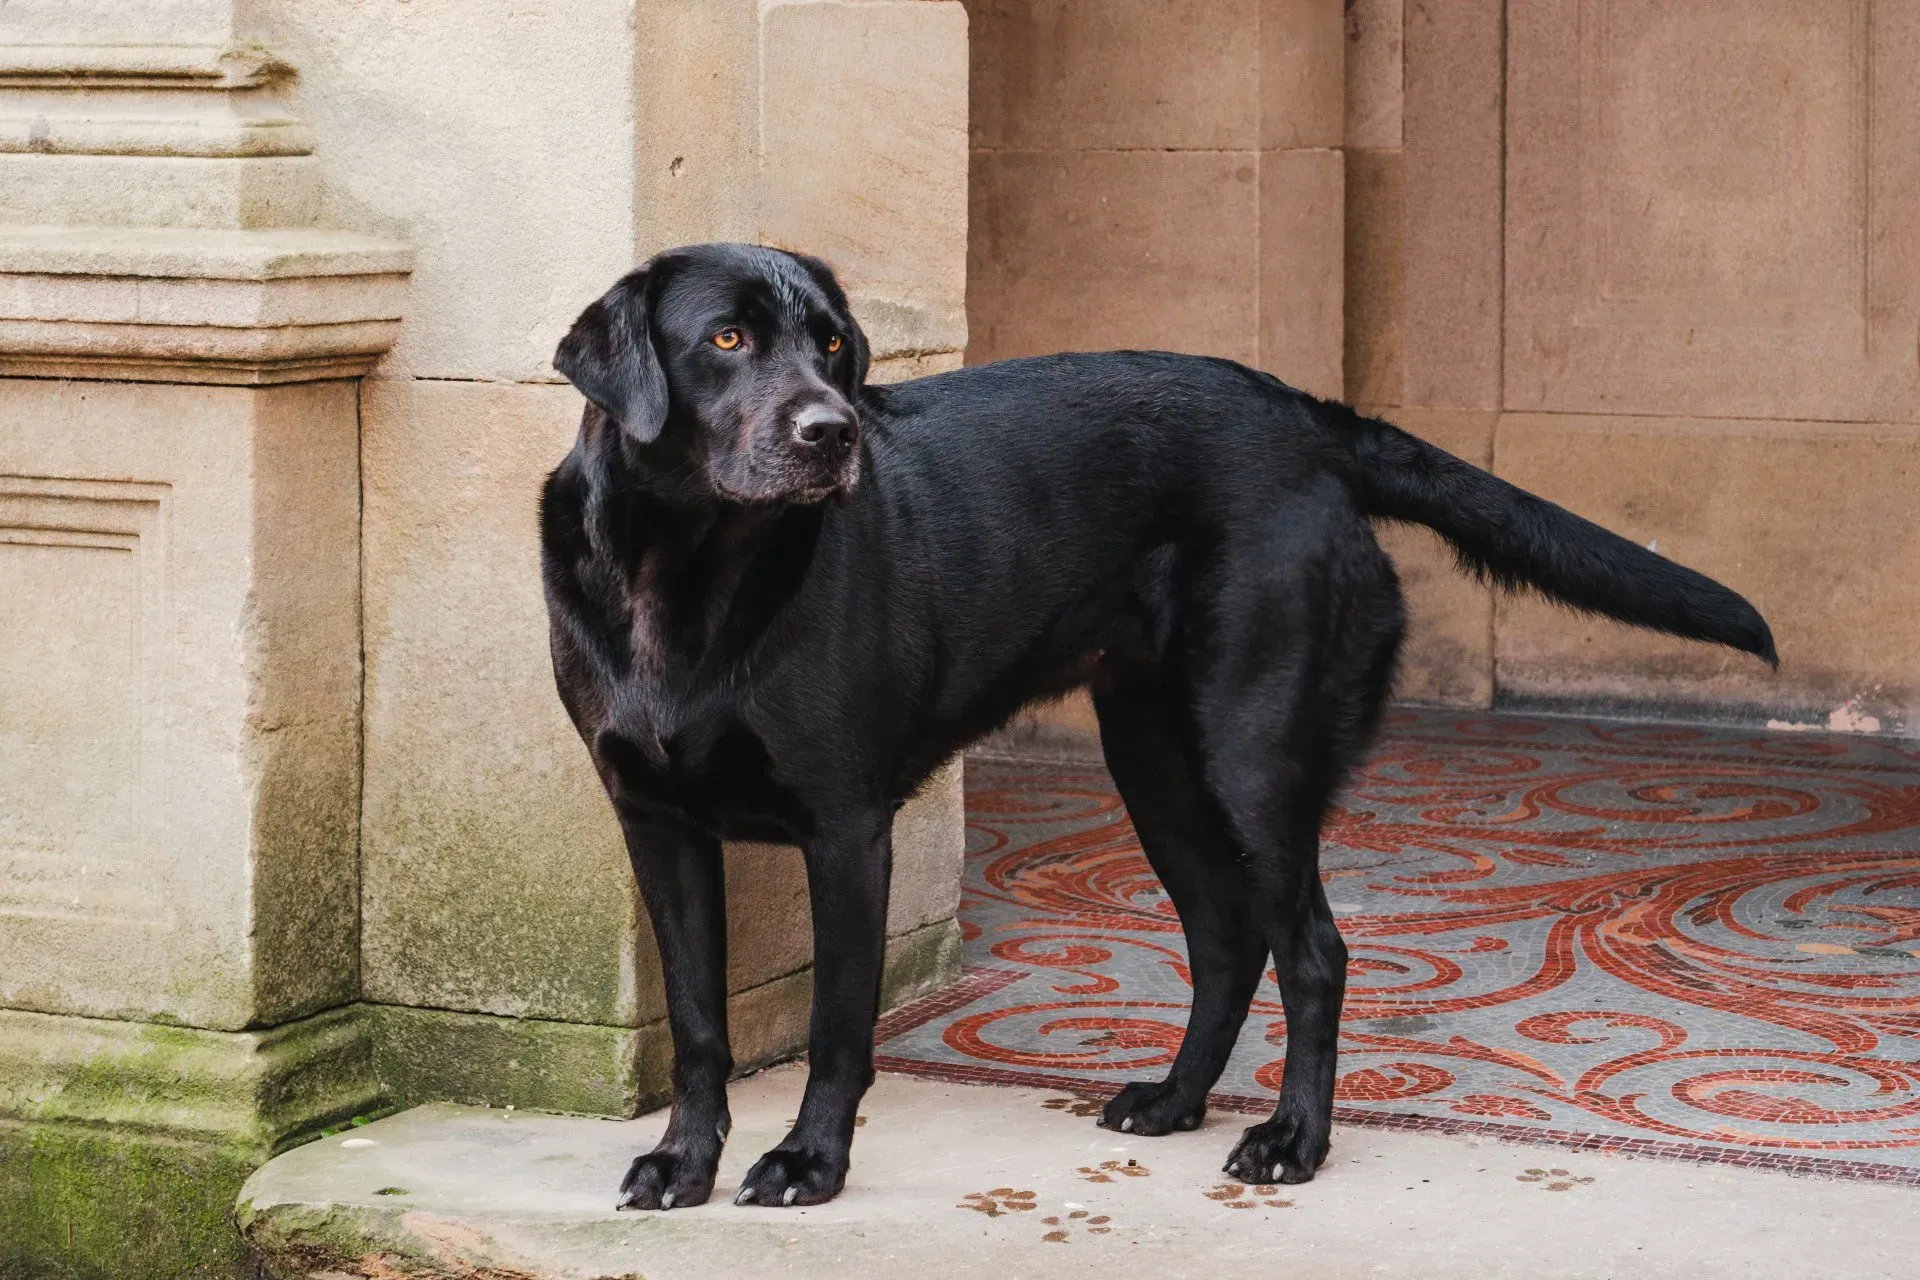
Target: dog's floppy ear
609, 356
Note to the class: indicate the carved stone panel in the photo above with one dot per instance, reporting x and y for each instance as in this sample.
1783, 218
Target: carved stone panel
81, 567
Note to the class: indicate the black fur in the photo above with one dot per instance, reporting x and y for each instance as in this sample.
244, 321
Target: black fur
768, 633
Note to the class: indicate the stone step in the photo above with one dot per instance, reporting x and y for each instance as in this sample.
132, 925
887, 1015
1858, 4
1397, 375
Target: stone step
965, 1181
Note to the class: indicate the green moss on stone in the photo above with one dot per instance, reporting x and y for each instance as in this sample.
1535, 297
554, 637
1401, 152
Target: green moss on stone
430, 1055
80, 1203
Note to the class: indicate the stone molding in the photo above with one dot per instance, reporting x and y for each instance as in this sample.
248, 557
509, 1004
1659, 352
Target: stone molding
257, 1089
197, 305
139, 66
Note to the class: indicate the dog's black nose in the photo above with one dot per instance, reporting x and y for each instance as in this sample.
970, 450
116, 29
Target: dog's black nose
825, 425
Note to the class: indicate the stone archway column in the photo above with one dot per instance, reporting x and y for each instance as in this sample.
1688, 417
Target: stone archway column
179, 632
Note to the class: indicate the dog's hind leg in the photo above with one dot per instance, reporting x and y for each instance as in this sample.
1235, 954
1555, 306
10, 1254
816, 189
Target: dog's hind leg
1290, 691
1183, 842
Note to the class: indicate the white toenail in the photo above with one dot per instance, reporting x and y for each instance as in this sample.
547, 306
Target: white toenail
1126, 1126
1276, 1171
745, 1196
793, 1193
666, 1201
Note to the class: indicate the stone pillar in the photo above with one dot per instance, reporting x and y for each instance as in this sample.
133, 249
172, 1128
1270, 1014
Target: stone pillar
180, 660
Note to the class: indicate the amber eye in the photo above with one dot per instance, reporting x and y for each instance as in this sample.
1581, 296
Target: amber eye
727, 339
833, 344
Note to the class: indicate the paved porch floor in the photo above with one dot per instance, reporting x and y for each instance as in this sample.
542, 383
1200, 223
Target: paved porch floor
1625, 1001
992, 1182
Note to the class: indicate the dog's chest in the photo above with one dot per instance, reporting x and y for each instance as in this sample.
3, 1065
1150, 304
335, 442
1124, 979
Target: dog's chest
710, 763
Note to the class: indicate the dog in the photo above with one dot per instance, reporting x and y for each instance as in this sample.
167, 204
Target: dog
780, 598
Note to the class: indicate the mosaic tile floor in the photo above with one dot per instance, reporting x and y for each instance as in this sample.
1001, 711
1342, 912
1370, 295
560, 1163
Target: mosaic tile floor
1691, 942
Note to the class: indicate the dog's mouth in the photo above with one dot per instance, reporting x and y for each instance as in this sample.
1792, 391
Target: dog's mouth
841, 490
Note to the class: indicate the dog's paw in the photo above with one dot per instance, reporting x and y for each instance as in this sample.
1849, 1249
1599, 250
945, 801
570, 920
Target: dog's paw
665, 1179
1279, 1150
1151, 1109
786, 1177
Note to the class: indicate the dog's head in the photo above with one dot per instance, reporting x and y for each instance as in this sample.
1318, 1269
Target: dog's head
731, 365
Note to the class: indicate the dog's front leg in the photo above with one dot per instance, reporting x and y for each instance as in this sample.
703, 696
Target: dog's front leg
848, 868
681, 877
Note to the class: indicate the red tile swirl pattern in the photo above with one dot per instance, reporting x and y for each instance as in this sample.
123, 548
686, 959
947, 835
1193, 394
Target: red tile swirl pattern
1675, 940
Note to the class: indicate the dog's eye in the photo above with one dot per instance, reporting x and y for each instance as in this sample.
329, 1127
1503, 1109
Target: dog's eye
833, 344
727, 339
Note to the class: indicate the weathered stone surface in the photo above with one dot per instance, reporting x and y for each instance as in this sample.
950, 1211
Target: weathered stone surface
1455, 91
141, 26
182, 717
698, 172
1053, 75
190, 305
179, 191
1303, 85
1711, 213
1065, 727
83, 1203
120, 1139
1813, 522
1374, 290
497, 137
1376, 87
452, 1192
1302, 268
495, 877
851, 92
929, 847
1086, 250
1147, 177
254, 1089
428, 1055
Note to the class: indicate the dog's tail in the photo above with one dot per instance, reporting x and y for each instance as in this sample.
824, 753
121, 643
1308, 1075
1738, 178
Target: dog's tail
1513, 539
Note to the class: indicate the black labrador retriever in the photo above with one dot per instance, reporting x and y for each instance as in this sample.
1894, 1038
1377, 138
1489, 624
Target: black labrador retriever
780, 598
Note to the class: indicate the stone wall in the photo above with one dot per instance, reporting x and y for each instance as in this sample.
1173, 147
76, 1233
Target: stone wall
1651, 261
292, 826
1655, 262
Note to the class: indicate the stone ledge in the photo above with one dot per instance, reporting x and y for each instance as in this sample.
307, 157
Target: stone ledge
159, 188
594, 1069
48, 134
449, 1192
201, 306
199, 253
253, 1089
138, 66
